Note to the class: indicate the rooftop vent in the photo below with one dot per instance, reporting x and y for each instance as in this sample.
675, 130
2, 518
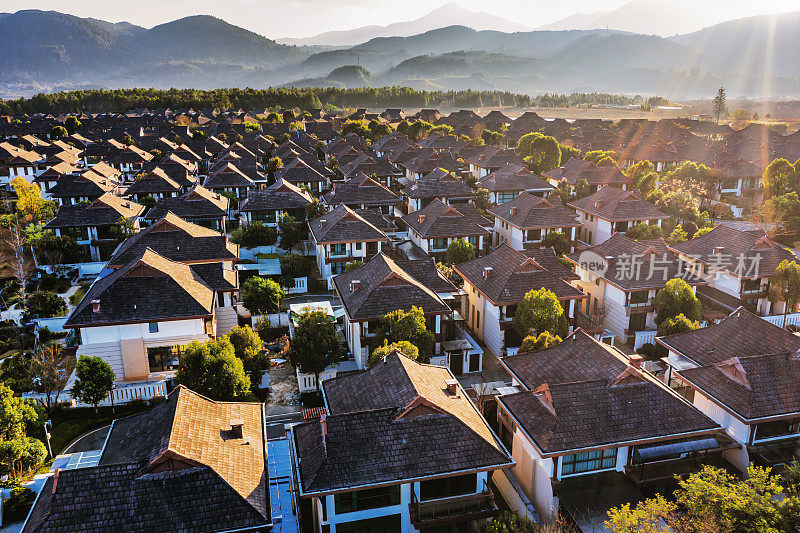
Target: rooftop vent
452, 386
421, 219
487, 272
322, 223
718, 250
354, 285
512, 211
636, 360
95, 306
237, 428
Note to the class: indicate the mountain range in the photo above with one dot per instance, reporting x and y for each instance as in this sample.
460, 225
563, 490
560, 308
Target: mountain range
754, 56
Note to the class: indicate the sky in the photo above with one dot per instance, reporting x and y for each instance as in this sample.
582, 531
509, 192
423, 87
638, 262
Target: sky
302, 18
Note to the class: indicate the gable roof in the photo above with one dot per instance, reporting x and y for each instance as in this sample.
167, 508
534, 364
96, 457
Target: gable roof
88, 183
513, 178
412, 427
383, 286
362, 190
344, 225
148, 289
512, 275
227, 175
438, 219
105, 211
197, 202
615, 205
155, 181
528, 211
177, 240
576, 169
439, 183
280, 195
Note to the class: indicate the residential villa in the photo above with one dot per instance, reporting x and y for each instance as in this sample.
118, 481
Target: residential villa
611, 210
524, 221
434, 227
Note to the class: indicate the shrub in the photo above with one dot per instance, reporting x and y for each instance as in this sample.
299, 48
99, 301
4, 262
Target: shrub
16, 507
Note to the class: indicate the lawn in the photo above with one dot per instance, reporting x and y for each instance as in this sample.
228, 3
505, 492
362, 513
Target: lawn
76, 298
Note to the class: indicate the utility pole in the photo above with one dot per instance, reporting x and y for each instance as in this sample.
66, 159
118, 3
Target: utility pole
47, 426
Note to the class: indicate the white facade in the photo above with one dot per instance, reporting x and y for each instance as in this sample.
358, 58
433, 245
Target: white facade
344, 252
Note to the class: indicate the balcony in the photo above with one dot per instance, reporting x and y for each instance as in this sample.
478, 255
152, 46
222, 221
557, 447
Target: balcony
448, 510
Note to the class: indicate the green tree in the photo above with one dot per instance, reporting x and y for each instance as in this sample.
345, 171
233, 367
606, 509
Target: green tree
677, 236
19, 454
702, 231
408, 326
539, 311
288, 116
148, 202
644, 231
315, 344
678, 324
779, 178
58, 132
358, 127
294, 266
676, 298
248, 347
568, 152
315, 209
352, 265
291, 232
784, 286
212, 369
720, 107
557, 240
643, 176
419, 130
51, 249
492, 138
123, 230
94, 380
532, 343
262, 295
481, 199
541, 152
198, 135
582, 189
596, 156
784, 211
72, 124
44, 304
459, 251
254, 235
645, 517
405, 347
273, 165
50, 369
509, 522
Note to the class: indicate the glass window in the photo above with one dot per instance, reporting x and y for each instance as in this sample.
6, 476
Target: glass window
163, 358
439, 244
338, 249
588, 461
361, 500
448, 486
533, 235
638, 298
777, 428
153, 327
381, 524
474, 242
751, 285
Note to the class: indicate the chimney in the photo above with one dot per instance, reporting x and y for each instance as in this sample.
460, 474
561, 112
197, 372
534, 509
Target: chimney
354, 285
421, 219
636, 360
323, 420
718, 250
322, 222
237, 427
55, 479
512, 211
487, 272
95, 306
452, 386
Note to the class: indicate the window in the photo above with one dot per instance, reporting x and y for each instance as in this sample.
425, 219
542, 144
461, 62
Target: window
588, 461
381, 524
448, 486
776, 429
474, 242
357, 246
439, 244
504, 197
533, 235
338, 250
163, 358
638, 298
750, 286
153, 327
621, 227
361, 500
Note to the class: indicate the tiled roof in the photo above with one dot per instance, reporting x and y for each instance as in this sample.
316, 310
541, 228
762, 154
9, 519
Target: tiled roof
227, 176
580, 357
724, 246
177, 467
513, 178
576, 169
300, 171
217, 276
441, 220
198, 202
344, 225
383, 286
512, 275
367, 164
155, 181
360, 190
280, 195
741, 334
439, 183
105, 211
549, 260
177, 240
528, 211
88, 184
614, 204
148, 289
656, 263
754, 386
604, 412
411, 427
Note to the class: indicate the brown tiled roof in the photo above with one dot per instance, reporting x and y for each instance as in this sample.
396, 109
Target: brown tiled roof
615, 204
724, 245
580, 357
741, 334
360, 190
528, 211
603, 413
280, 195
513, 178
88, 184
344, 225
198, 202
367, 164
411, 427
177, 467
384, 287
657, 264
576, 169
153, 182
439, 183
755, 386
299, 171
512, 275
105, 211
177, 240
148, 289
227, 175
438, 219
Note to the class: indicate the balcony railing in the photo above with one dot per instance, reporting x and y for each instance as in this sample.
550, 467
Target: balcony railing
448, 510
662, 470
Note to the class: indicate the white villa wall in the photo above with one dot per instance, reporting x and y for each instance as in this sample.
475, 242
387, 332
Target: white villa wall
174, 328
733, 427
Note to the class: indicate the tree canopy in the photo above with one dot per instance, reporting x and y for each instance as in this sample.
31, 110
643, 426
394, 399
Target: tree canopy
292, 232
541, 152
315, 345
780, 178
94, 379
19, 454
254, 235
262, 295
410, 326
532, 343
557, 240
459, 251
784, 286
677, 297
539, 311
405, 347
212, 369
644, 231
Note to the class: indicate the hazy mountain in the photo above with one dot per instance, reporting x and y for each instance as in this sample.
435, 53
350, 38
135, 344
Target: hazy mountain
450, 14
576, 21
